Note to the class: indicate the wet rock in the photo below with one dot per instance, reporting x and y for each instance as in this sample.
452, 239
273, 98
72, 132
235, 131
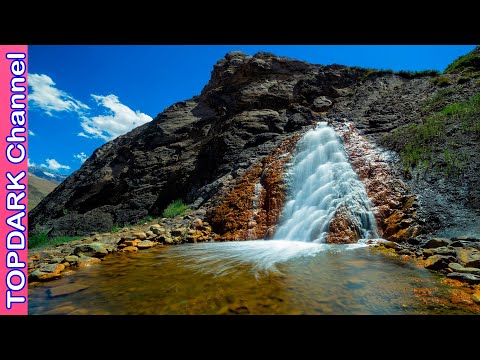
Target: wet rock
465, 277
355, 283
38, 275
132, 242
437, 242
72, 259
51, 268
91, 250
391, 245
457, 244
139, 235
67, 289
469, 257
85, 261
130, 249
149, 234
145, 244
438, 262
404, 252
442, 250
459, 268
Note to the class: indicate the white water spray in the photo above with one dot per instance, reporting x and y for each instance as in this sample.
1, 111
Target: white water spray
321, 180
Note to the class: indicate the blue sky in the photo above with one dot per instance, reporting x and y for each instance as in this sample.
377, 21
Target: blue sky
82, 96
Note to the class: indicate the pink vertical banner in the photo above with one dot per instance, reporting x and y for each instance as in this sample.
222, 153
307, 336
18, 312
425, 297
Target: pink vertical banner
13, 180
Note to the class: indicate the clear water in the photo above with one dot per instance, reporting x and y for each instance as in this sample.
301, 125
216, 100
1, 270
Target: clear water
321, 180
251, 277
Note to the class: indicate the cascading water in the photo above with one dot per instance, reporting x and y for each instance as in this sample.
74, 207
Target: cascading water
321, 180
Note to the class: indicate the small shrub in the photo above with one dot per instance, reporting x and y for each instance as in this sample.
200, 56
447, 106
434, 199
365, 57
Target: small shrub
437, 99
175, 208
441, 81
417, 74
116, 228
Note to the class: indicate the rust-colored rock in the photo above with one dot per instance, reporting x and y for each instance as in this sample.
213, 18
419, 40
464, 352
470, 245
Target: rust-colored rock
235, 218
393, 207
341, 229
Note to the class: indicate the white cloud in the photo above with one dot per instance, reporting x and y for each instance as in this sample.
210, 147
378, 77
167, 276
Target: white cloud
119, 120
31, 163
54, 165
47, 97
82, 134
82, 157
31, 133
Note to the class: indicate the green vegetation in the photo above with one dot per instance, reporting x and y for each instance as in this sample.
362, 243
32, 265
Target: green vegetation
426, 146
375, 73
116, 228
441, 81
417, 74
41, 240
175, 208
437, 100
469, 63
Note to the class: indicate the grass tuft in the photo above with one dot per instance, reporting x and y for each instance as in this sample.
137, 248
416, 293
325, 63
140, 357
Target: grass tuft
175, 208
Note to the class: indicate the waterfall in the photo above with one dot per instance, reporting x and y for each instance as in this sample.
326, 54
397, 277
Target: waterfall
321, 181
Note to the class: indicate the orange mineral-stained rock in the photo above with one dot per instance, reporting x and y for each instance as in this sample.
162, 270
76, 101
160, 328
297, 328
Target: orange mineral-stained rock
236, 218
342, 230
393, 207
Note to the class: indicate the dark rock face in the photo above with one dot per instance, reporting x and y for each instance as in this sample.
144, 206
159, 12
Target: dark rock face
199, 150
195, 148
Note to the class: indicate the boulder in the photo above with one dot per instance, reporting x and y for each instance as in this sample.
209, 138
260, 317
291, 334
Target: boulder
140, 235
442, 250
321, 103
459, 268
438, 262
91, 250
469, 257
130, 249
85, 261
436, 242
146, 244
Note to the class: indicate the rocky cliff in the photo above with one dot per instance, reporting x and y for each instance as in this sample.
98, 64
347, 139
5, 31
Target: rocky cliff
213, 150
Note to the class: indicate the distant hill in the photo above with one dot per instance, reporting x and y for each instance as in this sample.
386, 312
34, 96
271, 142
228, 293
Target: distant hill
47, 175
38, 188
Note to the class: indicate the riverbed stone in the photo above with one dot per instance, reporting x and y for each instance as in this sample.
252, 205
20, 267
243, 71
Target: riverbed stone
38, 275
459, 268
140, 235
442, 250
130, 249
145, 244
51, 268
91, 250
85, 261
438, 262
465, 277
132, 242
71, 259
66, 289
437, 242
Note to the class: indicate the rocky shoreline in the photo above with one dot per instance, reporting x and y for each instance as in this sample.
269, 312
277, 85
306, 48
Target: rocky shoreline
53, 262
456, 258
